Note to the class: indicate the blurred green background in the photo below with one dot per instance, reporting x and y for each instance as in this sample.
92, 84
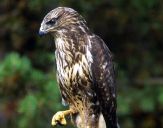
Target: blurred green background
133, 30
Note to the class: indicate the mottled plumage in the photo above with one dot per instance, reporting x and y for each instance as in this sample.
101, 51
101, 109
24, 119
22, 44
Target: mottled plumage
85, 69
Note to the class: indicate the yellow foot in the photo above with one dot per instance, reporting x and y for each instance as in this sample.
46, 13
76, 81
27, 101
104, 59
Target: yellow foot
59, 117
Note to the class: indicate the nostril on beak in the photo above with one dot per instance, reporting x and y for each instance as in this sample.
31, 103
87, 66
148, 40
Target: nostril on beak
41, 33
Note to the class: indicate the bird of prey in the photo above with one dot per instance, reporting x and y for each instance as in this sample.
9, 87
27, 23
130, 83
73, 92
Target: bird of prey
85, 70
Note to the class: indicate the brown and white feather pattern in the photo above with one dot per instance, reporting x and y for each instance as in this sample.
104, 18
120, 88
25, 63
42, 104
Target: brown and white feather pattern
84, 68
75, 72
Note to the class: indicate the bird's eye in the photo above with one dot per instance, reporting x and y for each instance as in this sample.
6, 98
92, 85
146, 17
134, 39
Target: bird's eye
52, 21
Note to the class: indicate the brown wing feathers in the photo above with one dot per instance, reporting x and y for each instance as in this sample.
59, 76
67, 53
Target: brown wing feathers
104, 81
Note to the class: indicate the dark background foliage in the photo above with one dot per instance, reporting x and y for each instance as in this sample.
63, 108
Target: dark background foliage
133, 30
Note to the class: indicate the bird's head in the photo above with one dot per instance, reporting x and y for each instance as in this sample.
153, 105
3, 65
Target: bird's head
61, 19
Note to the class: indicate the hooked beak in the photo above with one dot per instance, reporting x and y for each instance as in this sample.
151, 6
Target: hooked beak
42, 33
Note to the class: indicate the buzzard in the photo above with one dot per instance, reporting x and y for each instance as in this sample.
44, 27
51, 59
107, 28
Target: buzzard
85, 71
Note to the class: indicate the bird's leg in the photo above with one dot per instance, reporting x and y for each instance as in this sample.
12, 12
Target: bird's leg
59, 117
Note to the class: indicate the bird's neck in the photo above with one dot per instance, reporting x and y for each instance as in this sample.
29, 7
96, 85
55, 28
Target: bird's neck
62, 44
70, 39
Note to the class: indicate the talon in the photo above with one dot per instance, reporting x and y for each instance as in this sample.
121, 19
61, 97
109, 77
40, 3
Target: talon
59, 118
